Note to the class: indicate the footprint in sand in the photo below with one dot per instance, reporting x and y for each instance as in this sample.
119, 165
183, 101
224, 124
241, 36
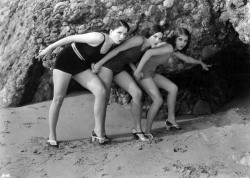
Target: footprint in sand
2, 144
28, 124
41, 118
180, 148
32, 107
5, 132
6, 124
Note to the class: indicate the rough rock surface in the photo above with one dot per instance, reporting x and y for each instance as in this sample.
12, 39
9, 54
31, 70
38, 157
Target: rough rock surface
27, 26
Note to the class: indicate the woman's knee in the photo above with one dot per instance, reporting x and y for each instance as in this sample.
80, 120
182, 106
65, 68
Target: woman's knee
173, 88
157, 100
100, 92
136, 94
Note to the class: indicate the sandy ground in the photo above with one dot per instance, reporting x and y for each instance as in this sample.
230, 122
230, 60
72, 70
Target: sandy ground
216, 145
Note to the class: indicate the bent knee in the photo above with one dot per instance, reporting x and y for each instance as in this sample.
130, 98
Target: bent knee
174, 88
136, 94
99, 92
157, 100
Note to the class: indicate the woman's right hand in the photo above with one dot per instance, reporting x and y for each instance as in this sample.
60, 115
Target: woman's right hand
138, 75
43, 52
96, 67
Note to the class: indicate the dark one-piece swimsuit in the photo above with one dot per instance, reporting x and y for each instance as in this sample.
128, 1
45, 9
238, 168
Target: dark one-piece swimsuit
68, 61
120, 62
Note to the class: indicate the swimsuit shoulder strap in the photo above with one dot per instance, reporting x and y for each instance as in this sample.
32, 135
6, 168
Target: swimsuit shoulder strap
104, 38
143, 39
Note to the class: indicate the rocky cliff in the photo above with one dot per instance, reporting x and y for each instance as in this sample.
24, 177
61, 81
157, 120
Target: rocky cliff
27, 26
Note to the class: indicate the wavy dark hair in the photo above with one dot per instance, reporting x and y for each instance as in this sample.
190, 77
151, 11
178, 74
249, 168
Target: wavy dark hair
149, 31
178, 32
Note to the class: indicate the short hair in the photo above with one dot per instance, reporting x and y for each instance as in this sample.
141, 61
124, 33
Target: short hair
149, 31
116, 23
178, 32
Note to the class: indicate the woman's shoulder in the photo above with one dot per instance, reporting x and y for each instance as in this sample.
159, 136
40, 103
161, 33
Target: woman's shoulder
136, 39
165, 46
96, 35
160, 44
169, 47
133, 42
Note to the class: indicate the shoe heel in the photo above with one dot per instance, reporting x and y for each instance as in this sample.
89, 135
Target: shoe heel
106, 139
149, 136
139, 136
135, 136
94, 138
168, 128
52, 143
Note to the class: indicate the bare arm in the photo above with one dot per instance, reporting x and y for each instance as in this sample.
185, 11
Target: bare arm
191, 60
93, 38
132, 66
161, 50
130, 43
160, 44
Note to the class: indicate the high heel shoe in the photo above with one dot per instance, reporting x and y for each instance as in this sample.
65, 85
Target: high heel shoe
106, 139
52, 143
101, 140
170, 126
149, 136
139, 136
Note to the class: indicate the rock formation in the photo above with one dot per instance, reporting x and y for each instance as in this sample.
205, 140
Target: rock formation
27, 26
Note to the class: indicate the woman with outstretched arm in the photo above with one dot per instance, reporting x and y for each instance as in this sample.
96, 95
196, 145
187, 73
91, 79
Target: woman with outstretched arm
74, 61
151, 82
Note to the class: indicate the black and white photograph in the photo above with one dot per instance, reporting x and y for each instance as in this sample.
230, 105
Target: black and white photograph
124, 89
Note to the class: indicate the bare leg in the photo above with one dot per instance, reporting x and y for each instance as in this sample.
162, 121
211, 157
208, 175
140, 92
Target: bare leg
152, 90
125, 81
166, 84
93, 83
106, 75
61, 82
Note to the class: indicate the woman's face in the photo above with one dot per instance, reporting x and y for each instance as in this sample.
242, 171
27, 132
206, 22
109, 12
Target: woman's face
118, 34
181, 42
155, 39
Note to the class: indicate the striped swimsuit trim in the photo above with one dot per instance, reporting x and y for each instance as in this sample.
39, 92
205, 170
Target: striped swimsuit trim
76, 51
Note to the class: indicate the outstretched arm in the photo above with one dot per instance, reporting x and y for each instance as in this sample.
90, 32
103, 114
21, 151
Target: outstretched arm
191, 60
130, 43
161, 50
93, 38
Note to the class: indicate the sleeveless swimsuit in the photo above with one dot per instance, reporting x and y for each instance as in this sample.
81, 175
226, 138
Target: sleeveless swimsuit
68, 61
119, 62
149, 69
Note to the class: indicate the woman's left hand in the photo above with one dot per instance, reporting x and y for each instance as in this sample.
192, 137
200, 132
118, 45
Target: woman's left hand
138, 76
205, 66
43, 53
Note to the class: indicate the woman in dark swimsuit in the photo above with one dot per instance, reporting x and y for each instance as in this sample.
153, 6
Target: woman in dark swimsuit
115, 62
74, 61
151, 82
